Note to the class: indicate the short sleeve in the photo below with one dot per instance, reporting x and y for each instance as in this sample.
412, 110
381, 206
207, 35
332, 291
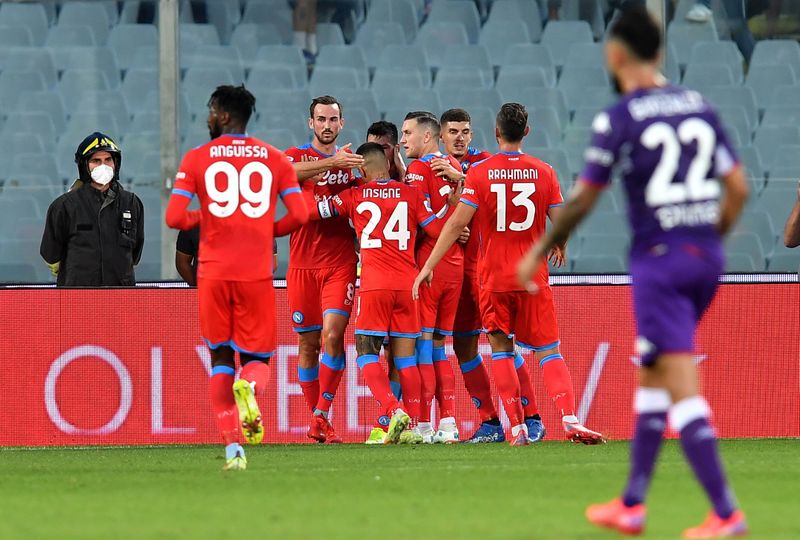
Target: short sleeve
293, 154
286, 180
556, 197
603, 152
417, 175
185, 178
424, 214
470, 194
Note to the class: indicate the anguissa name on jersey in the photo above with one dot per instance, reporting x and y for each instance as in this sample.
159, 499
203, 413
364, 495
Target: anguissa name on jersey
513, 174
237, 151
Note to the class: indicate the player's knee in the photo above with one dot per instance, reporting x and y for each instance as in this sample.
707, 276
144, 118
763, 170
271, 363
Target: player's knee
465, 349
222, 356
247, 358
308, 348
334, 339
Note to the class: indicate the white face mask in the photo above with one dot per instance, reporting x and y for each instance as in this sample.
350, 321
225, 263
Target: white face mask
102, 174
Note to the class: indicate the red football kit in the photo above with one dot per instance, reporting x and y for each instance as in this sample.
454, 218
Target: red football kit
513, 193
237, 180
468, 314
438, 303
322, 258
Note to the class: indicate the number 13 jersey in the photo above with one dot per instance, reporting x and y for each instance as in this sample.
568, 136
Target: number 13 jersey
512, 193
237, 180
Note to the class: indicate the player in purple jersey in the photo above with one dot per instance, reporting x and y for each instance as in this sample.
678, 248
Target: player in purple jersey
673, 153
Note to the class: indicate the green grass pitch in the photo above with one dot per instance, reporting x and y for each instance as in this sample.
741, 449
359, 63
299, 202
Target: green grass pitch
355, 491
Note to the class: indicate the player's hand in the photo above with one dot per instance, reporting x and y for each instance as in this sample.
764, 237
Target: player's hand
529, 266
443, 168
425, 275
464, 236
455, 194
558, 256
399, 164
54, 268
343, 159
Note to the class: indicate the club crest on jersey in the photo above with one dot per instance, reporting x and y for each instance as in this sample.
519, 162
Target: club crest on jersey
476, 402
383, 420
298, 317
524, 401
327, 396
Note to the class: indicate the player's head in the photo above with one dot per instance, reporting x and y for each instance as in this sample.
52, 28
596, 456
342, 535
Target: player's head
229, 110
385, 134
325, 119
376, 164
456, 132
95, 150
420, 134
512, 123
634, 40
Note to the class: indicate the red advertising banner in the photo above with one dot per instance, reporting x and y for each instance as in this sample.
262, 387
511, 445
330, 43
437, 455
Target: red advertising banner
129, 367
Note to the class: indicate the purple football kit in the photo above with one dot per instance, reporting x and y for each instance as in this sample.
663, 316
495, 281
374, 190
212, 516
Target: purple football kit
669, 147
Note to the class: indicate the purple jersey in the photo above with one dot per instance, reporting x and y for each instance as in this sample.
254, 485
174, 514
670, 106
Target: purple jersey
671, 150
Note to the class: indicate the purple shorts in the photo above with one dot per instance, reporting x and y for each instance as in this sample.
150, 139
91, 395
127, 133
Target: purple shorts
671, 291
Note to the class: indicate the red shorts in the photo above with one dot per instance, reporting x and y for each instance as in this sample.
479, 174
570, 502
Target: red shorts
529, 318
239, 314
437, 306
313, 293
387, 313
468, 314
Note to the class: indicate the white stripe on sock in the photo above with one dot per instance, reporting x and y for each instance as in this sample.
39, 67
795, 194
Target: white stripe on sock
651, 400
688, 410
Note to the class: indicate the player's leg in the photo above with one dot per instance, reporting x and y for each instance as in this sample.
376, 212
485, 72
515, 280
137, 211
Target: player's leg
536, 430
505, 376
427, 317
447, 431
304, 292
403, 333
394, 376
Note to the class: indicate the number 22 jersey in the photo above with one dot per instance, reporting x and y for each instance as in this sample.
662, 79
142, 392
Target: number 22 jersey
237, 180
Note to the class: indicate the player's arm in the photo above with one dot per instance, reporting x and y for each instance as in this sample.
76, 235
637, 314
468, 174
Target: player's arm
791, 232
557, 255
342, 159
297, 214
333, 207
183, 264
450, 233
733, 199
178, 215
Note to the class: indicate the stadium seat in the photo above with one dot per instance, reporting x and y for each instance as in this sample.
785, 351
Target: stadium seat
329, 34
469, 57
751, 158
576, 82
591, 12
724, 53
38, 123
267, 98
15, 36
671, 68
280, 138
14, 83
137, 85
41, 196
344, 56
583, 117
199, 83
31, 59
359, 99
736, 119
388, 81
546, 120
533, 55
759, 223
578, 136
683, 38
450, 80
224, 16
746, 243
82, 58
504, 11
511, 78
591, 55
375, 36
406, 58
91, 120
287, 56
559, 36
740, 262
782, 115
470, 97
248, 37
215, 56
465, 13
765, 79
777, 52
539, 98
607, 223
192, 36
701, 77
435, 37
275, 78
598, 264
404, 102
26, 15
18, 273
403, 12
482, 119
13, 143
70, 35
769, 139
329, 80
785, 261
34, 165
275, 14
556, 158
735, 96
497, 37
145, 58
75, 82
540, 139
103, 14
125, 39
111, 101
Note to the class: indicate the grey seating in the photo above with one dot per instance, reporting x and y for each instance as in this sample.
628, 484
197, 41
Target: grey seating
70, 35
329, 80
91, 13
450, 80
751, 158
609, 223
358, 120
777, 52
13, 143
787, 155
700, 77
18, 273
198, 83
777, 198
511, 78
577, 82
583, 117
41, 196
546, 120
469, 57
224, 16
724, 53
470, 97
137, 85
125, 39
278, 14
283, 99
435, 37
482, 119
13, 83
145, 57
540, 98
419, 100
270, 120
765, 79
31, 59
192, 36
39, 123
40, 165
344, 56
596, 97
768, 139
248, 37
215, 56
14, 209
559, 36
747, 243
740, 262
556, 158
672, 70
736, 119
387, 82
80, 58
759, 223
785, 261
533, 55
329, 34
29, 15
361, 99
137, 145
598, 264
142, 169
75, 82
782, 115
589, 55
275, 78
783, 173
282, 139
15, 36
111, 101
683, 37
577, 136
465, 13
599, 243
737, 96
784, 95
504, 11
591, 12
402, 12
286, 56
375, 36
497, 37
406, 58
91, 120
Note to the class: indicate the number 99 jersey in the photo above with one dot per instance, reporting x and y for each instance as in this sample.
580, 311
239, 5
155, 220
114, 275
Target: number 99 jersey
512, 193
237, 180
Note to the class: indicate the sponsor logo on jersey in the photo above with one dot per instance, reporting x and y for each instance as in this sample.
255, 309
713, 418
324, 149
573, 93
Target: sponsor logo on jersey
413, 177
298, 317
332, 178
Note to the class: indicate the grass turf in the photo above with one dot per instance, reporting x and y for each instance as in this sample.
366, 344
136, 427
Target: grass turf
355, 491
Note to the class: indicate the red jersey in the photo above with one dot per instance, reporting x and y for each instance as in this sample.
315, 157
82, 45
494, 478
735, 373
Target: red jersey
436, 189
472, 247
319, 244
512, 192
237, 180
385, 215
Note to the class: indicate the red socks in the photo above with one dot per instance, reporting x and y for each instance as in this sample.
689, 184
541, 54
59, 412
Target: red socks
411, 385
220, 392
309, 383
331, 370
558, 383
428, 376
505, 376
527, 393
258, 373
378, 383
476, 380
445, 383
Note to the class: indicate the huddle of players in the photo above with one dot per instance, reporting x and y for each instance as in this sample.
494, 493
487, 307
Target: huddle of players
397, 217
